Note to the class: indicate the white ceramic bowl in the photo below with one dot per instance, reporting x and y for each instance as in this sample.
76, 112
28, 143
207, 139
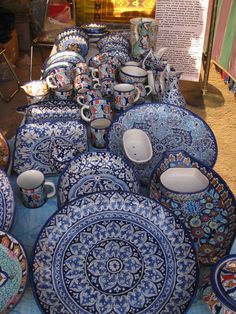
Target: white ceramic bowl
132, 74
137, 145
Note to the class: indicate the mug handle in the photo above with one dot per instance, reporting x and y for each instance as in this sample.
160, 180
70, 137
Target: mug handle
82, 113
94, 71
79, 98
149, 88
138, 94
96, 85
50, 80
52, 185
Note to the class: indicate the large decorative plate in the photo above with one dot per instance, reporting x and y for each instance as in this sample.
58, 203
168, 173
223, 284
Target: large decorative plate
7, 202
114, 252
4, 153
73, 42
95, 172
13, 272
211, 219
33, 143
169, 128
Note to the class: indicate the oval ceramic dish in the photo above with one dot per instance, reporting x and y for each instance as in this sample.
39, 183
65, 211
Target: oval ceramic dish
13, 272
208, 215
114, 252
7, 202
168, 128
95, 172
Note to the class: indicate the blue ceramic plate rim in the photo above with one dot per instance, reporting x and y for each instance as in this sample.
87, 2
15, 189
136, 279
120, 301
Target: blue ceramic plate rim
216, 283
31, 273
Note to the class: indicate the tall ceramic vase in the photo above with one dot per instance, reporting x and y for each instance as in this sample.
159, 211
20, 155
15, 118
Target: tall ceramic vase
170, 91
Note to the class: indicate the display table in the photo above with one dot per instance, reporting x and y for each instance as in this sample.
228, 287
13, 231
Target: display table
26, 227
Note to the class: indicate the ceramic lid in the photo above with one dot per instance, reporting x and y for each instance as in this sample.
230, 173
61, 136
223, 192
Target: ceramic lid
223, 280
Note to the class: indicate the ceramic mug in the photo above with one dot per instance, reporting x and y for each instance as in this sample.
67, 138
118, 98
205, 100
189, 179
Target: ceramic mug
105, 70
98, 131
59, 77
84, 96
125, 96
83, 81
65, 92
99, 108
32, 188
106, 86
80, 68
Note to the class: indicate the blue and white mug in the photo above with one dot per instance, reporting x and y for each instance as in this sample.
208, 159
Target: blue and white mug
32, 186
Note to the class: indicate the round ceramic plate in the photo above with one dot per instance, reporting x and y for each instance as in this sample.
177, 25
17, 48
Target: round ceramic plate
114, 252
4, 153
223, 280
64, 56
7, 202
75, 43
169, 128
209, 218
95, 172
13, 272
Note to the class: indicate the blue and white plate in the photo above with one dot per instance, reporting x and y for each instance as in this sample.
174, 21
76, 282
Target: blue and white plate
13, 272
210, 218
95, 172
7, 202
169, 128
114, 252
64, 56
115, 39
74, 42
33, 143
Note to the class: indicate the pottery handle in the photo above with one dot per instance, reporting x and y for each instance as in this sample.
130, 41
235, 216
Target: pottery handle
79, 100
149, 89
94, 71
52, 185
138, 94
83, 115
51, 81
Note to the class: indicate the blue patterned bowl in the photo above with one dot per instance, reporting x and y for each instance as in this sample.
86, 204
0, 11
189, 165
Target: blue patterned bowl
95, 172
94, 28
113, 38
132, 74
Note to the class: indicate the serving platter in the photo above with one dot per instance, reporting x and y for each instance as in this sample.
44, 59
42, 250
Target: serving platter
169, 128
7, 202
210, 218
13, 272
114, 252
33, 143
4, 152
95, 172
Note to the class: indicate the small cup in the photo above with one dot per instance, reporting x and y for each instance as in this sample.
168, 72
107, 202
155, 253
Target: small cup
65, 92
80, 68
99, 108
98, 131
106, 86
125, 96
83, 81
59, 77
32, 188
84, 96
105, 70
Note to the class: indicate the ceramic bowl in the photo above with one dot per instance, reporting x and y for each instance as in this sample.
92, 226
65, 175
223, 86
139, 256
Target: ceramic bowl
219, 287
113, 46
137, 146
132, 74
94, 28
120, 55
182, 184
73, 30
113, 38
95, 172
36, 88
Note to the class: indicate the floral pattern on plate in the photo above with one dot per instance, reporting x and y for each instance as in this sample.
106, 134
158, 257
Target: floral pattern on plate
169, 128
33, 143
114, 252
13, 272
210, 218
7, 202
95, 172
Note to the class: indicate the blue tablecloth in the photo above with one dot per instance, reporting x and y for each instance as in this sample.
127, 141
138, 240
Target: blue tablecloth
26, 227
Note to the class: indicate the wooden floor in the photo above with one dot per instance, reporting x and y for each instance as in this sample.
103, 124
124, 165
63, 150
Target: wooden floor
218, 109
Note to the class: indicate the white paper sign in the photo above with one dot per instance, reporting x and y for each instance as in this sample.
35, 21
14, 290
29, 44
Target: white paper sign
182, 25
